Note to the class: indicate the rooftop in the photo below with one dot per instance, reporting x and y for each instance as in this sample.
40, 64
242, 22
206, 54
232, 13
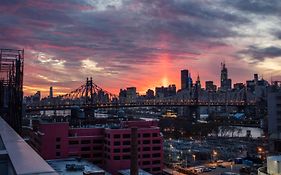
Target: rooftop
73, 166
15, 152
127, 172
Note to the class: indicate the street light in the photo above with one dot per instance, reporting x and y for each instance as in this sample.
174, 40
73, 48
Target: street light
194, 157
215, 153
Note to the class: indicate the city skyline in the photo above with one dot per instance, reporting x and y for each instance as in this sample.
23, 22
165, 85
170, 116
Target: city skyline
123, 43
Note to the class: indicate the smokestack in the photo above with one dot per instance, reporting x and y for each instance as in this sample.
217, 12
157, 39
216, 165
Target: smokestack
134, 152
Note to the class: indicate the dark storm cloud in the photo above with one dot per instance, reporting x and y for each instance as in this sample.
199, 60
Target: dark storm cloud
257, 6
202, 10
260, 54
120, 33
277, 34
121, 37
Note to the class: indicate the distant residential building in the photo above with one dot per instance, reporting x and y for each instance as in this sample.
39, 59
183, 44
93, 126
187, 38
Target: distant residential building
131, 94
225, 81
108, 146
122, 95
33, 98
250, 84
209, 85
149, 94
274, 118
238, 86
162, 91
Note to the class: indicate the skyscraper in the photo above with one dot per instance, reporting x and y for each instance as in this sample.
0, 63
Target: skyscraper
198, 83
51, 92
184, 79
225, 81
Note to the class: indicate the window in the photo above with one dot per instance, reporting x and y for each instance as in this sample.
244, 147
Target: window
116, 136
145, 163
156, 155
116, 157
156, 148
156, 141
57, 146
116, 150
58, 139
126, 157
126, 136
86, 148
97, 148
146, 156
73, 142
116, 143
155, 162
126, 150
146, 148
126, 143
85, 141
98, 141
146, 135
146, 142
58, 154
155, 134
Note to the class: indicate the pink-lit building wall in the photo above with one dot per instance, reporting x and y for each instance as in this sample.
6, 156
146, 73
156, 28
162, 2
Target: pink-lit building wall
106, 147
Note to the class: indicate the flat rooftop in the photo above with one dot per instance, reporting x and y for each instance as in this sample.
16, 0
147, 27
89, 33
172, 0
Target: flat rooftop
127, 172
17, 157
73, 166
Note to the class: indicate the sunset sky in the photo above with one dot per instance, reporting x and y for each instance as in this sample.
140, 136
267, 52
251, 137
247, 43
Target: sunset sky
142, 43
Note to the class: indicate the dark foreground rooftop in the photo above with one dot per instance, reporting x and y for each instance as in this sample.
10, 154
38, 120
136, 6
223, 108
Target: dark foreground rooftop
17, 157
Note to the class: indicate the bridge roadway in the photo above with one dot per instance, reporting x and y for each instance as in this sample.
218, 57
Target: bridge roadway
42, 107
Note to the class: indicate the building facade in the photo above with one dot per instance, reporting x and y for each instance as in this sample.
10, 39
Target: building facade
225, 81
106, 146
274, 118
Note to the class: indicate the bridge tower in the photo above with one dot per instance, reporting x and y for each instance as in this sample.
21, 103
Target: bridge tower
89, 91
195, 109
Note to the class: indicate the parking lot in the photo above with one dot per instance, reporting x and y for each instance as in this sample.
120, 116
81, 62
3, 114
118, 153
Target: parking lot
218, 170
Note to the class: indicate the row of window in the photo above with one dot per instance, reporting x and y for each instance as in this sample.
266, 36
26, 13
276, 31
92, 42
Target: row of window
126, 150
76, 142
125, 136
116, 143
155, 155
145, 142
88, 148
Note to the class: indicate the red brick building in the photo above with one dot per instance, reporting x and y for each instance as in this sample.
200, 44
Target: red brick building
108, 146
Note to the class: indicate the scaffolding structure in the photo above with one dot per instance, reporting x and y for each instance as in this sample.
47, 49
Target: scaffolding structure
11, 86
